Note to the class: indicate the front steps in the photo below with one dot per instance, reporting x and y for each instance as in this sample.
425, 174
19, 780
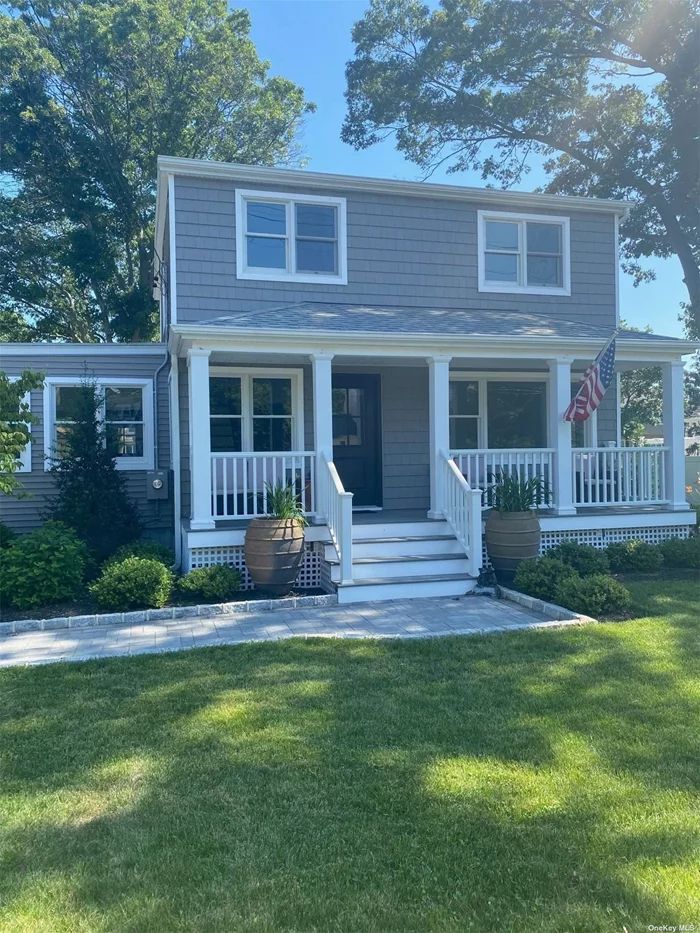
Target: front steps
400, 560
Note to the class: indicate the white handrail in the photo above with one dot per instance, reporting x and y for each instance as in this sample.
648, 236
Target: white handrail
239, 481
336, 506
461, 506
619, 476
482, 468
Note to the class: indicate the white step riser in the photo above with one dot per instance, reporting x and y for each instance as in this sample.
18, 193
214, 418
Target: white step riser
380, 592
399, 530
410, 547
404, 568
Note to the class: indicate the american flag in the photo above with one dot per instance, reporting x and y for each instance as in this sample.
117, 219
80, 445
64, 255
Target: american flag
593, 385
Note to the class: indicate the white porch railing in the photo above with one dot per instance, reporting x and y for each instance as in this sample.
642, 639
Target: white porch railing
619, 476
482, 468
239, 481
335, 505
461, 506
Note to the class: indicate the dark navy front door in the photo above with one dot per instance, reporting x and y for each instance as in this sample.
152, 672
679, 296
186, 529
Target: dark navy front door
356, 436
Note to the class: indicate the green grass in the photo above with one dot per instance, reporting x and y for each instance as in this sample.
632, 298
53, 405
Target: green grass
540, 781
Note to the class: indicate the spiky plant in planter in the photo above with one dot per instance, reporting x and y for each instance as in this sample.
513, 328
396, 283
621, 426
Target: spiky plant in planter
274, 543
512, 525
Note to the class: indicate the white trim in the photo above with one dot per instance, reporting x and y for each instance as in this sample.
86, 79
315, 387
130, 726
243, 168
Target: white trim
631, 518
246, 375
618, 411
172, 258
130, 464
421, 189
175, 454
617, 269
288, 275
522, 220
82, 349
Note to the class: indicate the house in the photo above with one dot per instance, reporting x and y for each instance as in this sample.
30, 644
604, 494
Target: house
389, 347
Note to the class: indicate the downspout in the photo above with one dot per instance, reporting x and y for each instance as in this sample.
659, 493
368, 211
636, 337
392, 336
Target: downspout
175, 455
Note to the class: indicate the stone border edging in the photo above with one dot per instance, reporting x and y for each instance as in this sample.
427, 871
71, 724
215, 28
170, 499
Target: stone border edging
143, 616
558, 613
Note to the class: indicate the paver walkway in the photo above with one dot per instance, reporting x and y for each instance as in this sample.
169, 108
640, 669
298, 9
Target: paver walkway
417, 618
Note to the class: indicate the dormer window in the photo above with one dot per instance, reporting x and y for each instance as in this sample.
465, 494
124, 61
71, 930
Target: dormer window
287, 238
523, 253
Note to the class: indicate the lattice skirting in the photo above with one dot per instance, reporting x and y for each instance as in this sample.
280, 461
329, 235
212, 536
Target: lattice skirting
601, 537
314, 573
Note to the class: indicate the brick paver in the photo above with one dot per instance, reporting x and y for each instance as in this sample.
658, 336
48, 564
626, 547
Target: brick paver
416, 618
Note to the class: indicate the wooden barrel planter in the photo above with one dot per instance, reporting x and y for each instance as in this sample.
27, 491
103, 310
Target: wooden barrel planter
511, 537
274, 549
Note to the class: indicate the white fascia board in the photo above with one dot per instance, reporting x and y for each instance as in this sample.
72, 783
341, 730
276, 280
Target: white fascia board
82, 349
161, 206
275, 176
376, 344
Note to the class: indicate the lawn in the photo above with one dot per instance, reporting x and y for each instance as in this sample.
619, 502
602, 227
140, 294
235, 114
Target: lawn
534, 781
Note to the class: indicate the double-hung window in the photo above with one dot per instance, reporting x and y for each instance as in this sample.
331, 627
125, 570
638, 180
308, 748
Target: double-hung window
523, 253
125, 413
495, 414
300, 238
257, 411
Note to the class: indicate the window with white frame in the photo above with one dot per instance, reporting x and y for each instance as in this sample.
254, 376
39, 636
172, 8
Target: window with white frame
125, 413
497, 414
523, 253
300, 238
256, 410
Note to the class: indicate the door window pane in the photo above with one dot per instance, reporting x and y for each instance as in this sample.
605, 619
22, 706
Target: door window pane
501, 267
464, 433
266, 217
267, 252
516, 414
348, 417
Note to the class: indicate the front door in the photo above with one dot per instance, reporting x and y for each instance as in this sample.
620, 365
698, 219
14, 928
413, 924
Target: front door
356, 437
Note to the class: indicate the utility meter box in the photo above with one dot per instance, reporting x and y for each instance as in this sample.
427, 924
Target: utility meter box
157, 484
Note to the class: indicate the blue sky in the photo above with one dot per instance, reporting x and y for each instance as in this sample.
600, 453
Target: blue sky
309, 42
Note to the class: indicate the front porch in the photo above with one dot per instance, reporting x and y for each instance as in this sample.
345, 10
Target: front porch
413, 440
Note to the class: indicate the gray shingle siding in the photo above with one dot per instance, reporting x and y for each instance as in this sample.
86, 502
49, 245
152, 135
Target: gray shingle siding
401, 250
26, 513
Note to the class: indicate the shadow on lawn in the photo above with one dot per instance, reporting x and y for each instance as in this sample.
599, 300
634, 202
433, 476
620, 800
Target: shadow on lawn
354, 786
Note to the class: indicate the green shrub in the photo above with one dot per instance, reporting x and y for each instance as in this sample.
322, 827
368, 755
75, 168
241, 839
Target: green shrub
681, 552
46, 566
584, 558
144, 548
134, 583
634, 556
598, 595
541, 577
217, 584
7, 535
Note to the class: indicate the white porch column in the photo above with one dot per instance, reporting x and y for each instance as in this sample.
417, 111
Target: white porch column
200, 441
439, 406
560, 434
323, 404
674, 434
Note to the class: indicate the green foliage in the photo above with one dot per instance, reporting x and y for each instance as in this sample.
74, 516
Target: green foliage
584, 558
7, 536
43, 567
16, 420
217, 584
90, 94
513, 493
490, 85
144, 548
681, 552
634, 556
134, 583
283, 502
541, 577
91, 493
598, 595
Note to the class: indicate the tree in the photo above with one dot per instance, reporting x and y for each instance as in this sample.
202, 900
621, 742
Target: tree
91, 495
604, 90
91, 91
16, 420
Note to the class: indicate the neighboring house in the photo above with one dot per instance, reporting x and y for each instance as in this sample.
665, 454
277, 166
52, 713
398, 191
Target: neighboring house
374, 342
